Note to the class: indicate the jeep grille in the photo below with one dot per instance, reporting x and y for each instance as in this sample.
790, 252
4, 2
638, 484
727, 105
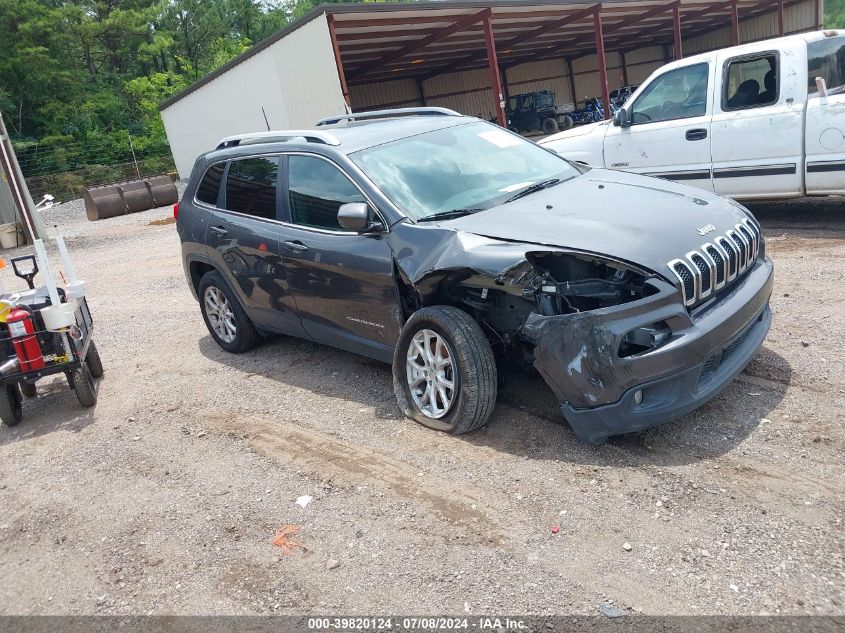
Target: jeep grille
707, 270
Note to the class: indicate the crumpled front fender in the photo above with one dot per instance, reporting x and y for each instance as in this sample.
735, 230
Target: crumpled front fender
578, 354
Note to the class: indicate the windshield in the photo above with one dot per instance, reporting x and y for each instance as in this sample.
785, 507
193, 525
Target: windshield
473, 166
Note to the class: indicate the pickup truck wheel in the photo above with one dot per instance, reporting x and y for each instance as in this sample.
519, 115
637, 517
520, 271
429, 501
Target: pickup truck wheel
224, 317
550, 126
444, 372
11, 410
567, 123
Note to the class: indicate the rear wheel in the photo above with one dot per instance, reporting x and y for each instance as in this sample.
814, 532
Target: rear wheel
550, 126
11, 409
567, 123
28, 389
224, 317
444, 373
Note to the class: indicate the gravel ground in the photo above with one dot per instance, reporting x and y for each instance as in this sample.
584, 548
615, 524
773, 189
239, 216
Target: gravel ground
166, 497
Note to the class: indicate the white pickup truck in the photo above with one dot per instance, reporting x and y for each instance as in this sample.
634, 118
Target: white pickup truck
749, 122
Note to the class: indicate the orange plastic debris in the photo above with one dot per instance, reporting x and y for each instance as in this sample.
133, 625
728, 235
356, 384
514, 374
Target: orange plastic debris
284, 539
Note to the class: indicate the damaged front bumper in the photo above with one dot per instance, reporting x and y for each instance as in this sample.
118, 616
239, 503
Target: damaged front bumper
604, 394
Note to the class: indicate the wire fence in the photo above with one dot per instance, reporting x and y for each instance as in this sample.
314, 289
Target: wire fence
65, 167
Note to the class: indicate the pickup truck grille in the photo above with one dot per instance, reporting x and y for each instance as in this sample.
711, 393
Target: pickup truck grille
718, 263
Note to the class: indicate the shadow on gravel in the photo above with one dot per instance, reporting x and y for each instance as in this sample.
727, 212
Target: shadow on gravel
55, 408
812, 215
710, 431
527, 421
323, 370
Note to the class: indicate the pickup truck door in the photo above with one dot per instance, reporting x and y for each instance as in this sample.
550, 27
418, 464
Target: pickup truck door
825, 129
669, 131
342, 281
758, 125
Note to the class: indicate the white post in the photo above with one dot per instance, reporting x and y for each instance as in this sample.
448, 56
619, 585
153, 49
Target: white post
44, 267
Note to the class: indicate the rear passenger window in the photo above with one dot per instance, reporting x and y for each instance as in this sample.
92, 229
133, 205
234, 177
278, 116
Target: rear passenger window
210, 184
826, 59
317, 189
251, 186
751, 82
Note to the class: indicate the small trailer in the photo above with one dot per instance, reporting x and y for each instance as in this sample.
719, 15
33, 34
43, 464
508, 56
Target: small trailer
30, 350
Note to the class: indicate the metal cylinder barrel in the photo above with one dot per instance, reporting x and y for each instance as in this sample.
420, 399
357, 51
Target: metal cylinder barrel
103, 202
129, 197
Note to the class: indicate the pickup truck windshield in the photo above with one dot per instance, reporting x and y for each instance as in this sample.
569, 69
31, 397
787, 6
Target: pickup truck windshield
826, 59
468, 167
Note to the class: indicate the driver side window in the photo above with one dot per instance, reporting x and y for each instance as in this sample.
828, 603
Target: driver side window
678, 94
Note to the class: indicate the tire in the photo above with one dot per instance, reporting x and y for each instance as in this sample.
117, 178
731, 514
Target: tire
550, 126
11, 409
245, 336
567, 123
92, 359
84, 386
473, 371
28, 389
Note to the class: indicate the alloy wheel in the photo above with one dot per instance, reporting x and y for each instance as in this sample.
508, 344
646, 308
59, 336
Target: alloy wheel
220, 314
431, 373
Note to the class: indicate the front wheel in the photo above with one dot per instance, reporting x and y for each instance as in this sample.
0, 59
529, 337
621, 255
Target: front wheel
567, 123
11, 409
84, 386
444, 373
550, 126
92, 359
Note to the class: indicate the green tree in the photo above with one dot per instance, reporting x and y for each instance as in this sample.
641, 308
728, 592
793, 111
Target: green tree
834, 14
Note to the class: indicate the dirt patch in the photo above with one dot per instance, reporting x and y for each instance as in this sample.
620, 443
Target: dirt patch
167, 496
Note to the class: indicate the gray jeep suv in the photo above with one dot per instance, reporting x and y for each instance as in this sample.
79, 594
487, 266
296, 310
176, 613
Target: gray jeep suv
444, 244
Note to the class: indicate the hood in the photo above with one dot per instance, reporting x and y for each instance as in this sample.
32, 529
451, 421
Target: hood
578, 130
641, 220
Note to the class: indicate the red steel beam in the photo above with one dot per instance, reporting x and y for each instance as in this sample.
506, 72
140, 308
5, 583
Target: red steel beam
818, 15
624, 68
644, 16
495, 78
605, 93
551, 26
676, 23
546, 28
337, 60
416, 45
781, 27
734, 24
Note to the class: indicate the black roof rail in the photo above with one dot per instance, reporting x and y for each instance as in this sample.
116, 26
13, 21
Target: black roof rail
279, 136
387, 114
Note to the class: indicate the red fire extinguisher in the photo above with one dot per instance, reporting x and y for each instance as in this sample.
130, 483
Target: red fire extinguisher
24, 339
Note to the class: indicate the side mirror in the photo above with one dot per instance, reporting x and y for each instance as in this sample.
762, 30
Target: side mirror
355, 216
620, 118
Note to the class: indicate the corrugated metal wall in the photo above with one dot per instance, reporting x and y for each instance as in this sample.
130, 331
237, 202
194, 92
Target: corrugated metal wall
293, 83
468, 91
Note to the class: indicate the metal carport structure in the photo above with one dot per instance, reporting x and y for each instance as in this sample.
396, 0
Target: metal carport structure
377, 42
467, 55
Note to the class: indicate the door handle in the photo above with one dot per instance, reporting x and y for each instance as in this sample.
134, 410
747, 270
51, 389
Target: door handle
296, 246
219, 231
698, 134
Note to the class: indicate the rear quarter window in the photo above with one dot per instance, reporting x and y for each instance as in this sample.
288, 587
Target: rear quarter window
209, 186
